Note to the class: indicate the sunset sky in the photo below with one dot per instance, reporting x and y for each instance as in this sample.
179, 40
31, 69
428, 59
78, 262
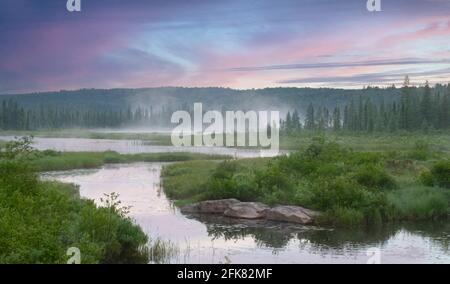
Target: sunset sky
239, 43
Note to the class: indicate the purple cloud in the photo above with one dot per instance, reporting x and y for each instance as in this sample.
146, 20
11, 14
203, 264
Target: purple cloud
142, 43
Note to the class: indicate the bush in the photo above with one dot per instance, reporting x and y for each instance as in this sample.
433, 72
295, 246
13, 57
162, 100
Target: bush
426, 178
245, 186
420, 203
111, 157
317, 155
374, 177
343, 192
39, 220
346, 186
186, 182
421, 151
50, 153
221, 189
343, 217
441, 174
225, 170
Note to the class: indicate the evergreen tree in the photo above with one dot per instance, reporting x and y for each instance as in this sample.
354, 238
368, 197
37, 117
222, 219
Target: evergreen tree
310, 118
444, 113
337, 119
426, 106
288, 122
296, 125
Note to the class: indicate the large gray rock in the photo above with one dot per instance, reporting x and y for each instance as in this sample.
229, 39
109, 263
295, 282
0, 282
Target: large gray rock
252, 210
293, 214
247, 210
210, 206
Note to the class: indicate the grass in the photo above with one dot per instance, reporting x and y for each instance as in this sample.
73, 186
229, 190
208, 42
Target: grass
160, 139
350, 188
421, 202
378, 142
185, 181
53, 161
40, 221
375, 142
372, 179
162, 251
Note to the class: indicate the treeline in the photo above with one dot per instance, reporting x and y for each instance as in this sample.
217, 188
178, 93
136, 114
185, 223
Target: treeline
425, 110
212, 98
367, 110
15, 117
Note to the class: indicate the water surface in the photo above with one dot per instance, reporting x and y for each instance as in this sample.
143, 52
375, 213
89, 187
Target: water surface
212, 239
128, 147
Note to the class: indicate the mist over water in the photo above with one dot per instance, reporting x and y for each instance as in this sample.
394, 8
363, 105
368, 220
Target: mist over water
134, 130
123, 146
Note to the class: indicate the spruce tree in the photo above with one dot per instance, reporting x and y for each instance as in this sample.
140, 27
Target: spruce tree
310, 118
426, 106
337, 119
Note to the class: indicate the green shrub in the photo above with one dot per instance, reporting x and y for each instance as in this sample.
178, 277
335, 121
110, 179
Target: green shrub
441, 174
346, 186
343, 217
225, 170
50, 153
343, 192
374, 177
246, 186
113, 158
221, 189
364, 158
426, 178
186, 182
421, 151
420, 203
39, 220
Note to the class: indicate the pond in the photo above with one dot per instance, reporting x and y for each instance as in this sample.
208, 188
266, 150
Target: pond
212, 239
128, 147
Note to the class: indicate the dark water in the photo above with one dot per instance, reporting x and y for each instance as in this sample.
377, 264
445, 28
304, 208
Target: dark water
212, 239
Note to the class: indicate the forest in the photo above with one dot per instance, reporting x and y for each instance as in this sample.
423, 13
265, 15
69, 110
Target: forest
425, 110
371, 109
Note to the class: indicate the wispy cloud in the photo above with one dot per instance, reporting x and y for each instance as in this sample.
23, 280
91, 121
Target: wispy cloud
233, 43
377, 78
384, 62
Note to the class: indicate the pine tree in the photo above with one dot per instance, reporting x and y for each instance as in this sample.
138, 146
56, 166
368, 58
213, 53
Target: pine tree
288, 122
337, 119
296, 121
426, 106
444, 113
310, 118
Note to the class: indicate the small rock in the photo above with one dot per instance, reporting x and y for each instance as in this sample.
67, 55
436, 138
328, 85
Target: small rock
247, 210
293, 214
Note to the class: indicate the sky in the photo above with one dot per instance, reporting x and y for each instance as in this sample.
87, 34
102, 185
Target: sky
240, 44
